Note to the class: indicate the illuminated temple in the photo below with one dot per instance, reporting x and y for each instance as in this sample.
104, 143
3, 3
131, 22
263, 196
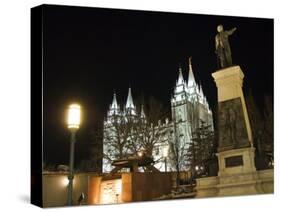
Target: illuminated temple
189, 107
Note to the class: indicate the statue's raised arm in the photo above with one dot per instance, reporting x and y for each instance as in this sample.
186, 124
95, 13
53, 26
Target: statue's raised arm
223, 50
230, 32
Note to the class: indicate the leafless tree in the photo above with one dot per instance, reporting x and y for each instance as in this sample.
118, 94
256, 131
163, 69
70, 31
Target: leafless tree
116, 137
148, 132
128, 135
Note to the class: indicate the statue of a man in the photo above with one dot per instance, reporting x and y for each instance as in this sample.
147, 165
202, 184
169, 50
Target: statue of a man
223, 50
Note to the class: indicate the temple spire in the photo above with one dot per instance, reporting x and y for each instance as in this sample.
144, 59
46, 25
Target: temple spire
114, 108
142, 112
180, 79
191, 79
189, 62
130, 103
114, 104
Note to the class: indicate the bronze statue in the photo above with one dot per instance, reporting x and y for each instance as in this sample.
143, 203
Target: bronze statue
223, 50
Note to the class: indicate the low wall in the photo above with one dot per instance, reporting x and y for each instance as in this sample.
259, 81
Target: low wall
148, 186
138, 186
55, 188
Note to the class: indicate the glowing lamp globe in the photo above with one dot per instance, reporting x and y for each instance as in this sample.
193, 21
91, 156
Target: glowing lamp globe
73, 116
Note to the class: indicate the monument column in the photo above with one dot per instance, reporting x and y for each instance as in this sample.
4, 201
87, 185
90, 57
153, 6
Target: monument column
237, 172
229, 82
236, 153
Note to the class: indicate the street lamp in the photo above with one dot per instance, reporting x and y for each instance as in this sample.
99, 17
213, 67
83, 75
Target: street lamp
165, 154
73, 122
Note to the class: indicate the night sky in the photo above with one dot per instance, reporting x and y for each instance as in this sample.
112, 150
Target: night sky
91, 52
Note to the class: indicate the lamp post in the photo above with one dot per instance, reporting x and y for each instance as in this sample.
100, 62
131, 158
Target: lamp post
165, 154
73, 122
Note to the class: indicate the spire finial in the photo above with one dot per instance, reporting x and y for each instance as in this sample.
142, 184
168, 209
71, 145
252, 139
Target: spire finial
114, 104
129, 103
189, 61
114, 107
142, 111
180, 79
191, 79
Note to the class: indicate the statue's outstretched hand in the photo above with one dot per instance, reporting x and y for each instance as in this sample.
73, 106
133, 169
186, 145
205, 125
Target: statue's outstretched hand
230, 32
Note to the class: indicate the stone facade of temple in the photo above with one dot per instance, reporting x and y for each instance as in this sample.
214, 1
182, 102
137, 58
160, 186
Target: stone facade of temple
189, 107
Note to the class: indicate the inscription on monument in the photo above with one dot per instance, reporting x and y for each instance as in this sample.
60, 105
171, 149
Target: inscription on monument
232, 126
234, 161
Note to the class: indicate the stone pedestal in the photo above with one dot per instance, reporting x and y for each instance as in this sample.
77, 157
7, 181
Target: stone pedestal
229, 82
236, 161
237, 172
235, 151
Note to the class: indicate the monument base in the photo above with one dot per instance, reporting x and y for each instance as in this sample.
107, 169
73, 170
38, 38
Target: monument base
258, 182
237, 176
236, 161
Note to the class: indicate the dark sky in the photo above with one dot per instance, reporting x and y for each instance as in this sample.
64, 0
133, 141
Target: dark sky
90, 52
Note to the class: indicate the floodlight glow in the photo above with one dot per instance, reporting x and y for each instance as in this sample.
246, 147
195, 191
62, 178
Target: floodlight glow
111, 191
118, 187
73, 118
64, 181
140, 153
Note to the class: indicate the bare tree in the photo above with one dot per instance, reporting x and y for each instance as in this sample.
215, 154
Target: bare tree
128, 135
178, 151
116, 137
201, 149
148, 132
